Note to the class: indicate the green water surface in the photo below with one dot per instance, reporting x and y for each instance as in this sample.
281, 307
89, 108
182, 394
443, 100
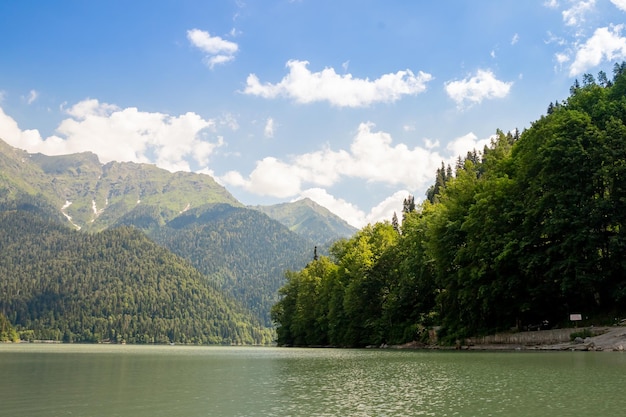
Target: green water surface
113, 380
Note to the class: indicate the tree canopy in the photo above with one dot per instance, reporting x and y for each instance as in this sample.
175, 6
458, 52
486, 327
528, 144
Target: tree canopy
527, 230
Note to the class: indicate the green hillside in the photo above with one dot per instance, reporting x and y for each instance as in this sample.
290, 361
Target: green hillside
244, 251
114, 285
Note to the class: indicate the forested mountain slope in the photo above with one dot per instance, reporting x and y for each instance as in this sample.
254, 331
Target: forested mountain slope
526, 232
244, 251
114, 285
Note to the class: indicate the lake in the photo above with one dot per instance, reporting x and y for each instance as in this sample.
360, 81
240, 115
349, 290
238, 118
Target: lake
115, 380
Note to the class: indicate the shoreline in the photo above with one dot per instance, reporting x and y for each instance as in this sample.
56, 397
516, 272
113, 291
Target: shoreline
604, 339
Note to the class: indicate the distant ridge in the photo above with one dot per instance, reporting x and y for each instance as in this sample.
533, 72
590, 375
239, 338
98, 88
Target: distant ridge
94, 196
309, 219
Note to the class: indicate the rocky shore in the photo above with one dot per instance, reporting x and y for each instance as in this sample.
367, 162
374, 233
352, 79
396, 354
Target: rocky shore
611, 339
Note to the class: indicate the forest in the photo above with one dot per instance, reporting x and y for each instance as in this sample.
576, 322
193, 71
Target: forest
524, 232
117, 285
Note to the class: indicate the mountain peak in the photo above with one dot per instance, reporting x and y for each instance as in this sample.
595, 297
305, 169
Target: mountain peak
310, 219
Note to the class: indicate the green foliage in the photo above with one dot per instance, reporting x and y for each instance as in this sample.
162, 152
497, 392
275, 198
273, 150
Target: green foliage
243, 251
528, 230
582, 334
115, 285
7, 332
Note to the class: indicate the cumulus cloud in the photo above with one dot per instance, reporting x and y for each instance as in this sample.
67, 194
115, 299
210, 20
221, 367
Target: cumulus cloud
11, 133
474, 89
218, 51
575, 15
606, 43
620, 4
351, 213
304, 86
385, 209
116, 134
469, 142
372, 157
268, 131
270, 177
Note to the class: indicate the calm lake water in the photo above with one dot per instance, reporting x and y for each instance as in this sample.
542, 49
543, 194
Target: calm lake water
110, 380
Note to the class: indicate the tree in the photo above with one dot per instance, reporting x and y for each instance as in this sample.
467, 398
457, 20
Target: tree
395, 222
7, 331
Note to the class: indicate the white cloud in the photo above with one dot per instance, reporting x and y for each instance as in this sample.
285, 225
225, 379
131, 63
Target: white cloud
218, 50
385, 209
11, 133
515, 39
620, 4
483, 85
305, 86
561, 58
32, 96
576, 14
469, 142
272, 177
372, 157
606, 43
430, 144
552, 4
116, 134
268, 131
229, 120
552, 38
352, 214
233, 178
212, 61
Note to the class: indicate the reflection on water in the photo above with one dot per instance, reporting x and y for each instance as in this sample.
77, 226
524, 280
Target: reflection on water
87, 380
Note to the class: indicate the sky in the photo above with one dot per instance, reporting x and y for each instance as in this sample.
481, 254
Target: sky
354, 104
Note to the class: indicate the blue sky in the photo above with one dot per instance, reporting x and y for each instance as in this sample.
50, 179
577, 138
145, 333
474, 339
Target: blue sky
351, 103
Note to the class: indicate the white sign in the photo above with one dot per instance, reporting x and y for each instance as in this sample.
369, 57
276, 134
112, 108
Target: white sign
575, 317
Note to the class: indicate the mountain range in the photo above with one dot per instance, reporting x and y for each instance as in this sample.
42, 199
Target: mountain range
243, 252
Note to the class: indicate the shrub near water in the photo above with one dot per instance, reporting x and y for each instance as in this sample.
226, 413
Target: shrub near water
583, 334
7, 332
